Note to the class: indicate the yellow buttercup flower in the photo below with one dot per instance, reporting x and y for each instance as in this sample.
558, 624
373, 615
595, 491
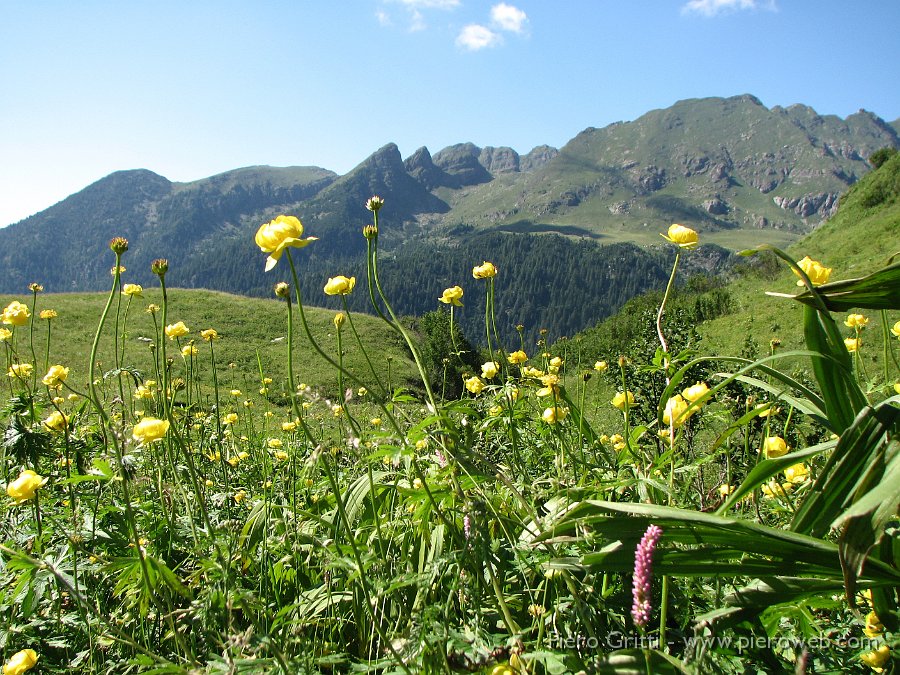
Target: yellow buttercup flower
230, 418
15, 314
895, 329
240, 496
149, 430
209, 334
48, 314
695, 392
489, 370
475, 384
674, 413
874, 627
856, 321
21, 370
20, 662
176, 330
55, 377
554, 414
818, 274
796, 473
56, 421
877, 658
452, 296
852, 344
274, 443
340, 285
683, 236
623, 400
277, 235
517, 357
339, 320
189, 350
133, 290
601, 366
5, 334
24, 487
485, 270
774, 446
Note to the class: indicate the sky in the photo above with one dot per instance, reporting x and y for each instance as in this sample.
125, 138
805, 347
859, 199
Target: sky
192, 89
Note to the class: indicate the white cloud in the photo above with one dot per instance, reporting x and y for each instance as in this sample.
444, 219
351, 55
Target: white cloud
429, 4
383, 17
715, 7
507, 17
475, 37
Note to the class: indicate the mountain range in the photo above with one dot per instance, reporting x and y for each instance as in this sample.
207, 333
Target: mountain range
738, 172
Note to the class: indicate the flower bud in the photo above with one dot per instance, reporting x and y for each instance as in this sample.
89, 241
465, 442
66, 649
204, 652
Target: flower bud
374, 203
118, 245
159, 267
370, 231
282, 290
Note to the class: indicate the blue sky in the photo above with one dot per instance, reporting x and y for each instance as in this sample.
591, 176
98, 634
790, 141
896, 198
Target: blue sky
190, 89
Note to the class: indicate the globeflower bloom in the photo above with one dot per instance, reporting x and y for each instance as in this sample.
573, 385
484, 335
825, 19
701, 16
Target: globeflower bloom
452, 296
517, 357
277, 235
852, 344
24, 487
5, 334
485, 270
340, 285
489, 370
554, 414
20, 662
133, 290
56, 421
209, 334
623, 400
856, 321
475, 384
877, 658
21, 370
149, 430
683, 237
818, 274
674, 413
895, 329
176, 330
601, 366
55, 377
15, 314
695, 392
48, 314
774, 446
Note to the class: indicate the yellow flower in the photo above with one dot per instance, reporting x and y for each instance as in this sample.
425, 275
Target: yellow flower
674, 411
135, 290
20, 662
895, 329
56, 421
452, 296
339, 320
856, 321
554, 414
288, 426
189, 350
150, 429
236, 393
275, 236
340, 285
852, 344
152, 308
21, 370
485, 270
55, 377
280, 455
48, 314
725, 489
209, 334
874, 627
274, 443
143, 392
375, 421
876, 659
517, 357
475, 384
240, 496
551, 385
23, 488
177, 330
601, 366
15, 314
796, 473
817, 273
897, 387
683, 236
5, 334
774, 446
489, 370
695, 392
623, 400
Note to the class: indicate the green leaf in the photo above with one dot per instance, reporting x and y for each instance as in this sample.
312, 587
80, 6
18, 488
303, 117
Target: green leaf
879, 290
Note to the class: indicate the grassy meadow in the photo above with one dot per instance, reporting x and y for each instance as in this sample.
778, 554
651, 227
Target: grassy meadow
202, 483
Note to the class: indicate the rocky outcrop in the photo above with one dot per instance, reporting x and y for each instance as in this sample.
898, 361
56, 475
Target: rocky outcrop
716, 207
461, 164
499, 160
537, 158
420, 166
824, 204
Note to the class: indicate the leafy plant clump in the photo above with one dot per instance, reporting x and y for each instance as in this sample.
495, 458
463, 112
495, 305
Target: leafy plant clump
520, 511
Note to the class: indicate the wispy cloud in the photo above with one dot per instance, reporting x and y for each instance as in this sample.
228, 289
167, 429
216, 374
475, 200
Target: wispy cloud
475, 37
507, 17
716, 7
415, 10
429, 4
